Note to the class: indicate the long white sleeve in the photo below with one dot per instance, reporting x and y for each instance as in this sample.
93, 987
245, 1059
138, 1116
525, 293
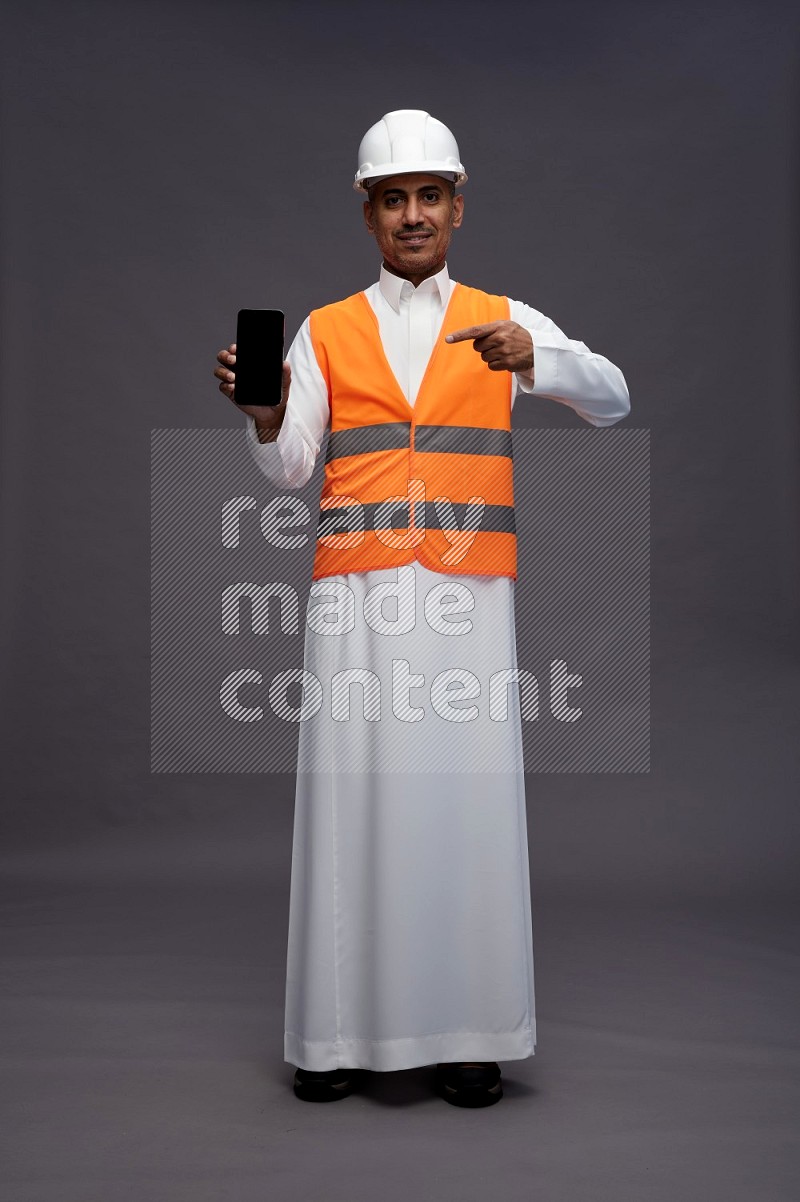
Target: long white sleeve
289, 461
568, 372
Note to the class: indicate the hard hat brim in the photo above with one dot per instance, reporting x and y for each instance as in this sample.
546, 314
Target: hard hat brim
365, 179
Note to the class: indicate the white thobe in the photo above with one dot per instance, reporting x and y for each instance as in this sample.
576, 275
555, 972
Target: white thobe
410, 935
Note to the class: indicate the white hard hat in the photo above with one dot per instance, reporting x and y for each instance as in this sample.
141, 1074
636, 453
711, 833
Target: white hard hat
404, 141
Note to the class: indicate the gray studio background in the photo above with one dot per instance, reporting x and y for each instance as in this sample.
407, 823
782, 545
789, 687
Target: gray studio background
633, 175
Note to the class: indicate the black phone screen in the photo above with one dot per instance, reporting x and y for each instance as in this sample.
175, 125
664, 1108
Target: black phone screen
259, 356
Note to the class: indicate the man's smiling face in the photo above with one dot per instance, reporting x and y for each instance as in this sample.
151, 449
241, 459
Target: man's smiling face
412, 218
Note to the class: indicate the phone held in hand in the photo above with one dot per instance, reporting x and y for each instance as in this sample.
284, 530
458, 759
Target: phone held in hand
259, 356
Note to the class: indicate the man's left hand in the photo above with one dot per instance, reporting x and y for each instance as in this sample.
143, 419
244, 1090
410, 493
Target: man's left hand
503, 345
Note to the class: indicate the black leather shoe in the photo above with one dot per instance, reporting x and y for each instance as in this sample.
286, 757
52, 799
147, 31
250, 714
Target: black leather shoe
323, 1087
473, 1083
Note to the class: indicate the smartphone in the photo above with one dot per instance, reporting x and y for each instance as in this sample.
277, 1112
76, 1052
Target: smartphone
260, 337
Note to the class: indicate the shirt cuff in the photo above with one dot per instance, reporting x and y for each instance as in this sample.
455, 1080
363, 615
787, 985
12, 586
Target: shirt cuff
266, 454
542, 378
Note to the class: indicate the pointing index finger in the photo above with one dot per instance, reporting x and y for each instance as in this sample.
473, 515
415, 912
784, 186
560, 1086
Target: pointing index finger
470, 332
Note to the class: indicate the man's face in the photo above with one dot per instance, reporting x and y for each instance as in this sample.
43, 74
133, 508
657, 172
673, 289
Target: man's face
412, 218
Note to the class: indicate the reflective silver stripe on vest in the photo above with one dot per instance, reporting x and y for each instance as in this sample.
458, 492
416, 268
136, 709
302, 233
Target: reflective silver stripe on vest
360, 440
463, 440
446, 440
348, 518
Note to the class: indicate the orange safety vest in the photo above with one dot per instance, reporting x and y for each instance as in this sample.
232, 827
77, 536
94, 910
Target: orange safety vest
387, 462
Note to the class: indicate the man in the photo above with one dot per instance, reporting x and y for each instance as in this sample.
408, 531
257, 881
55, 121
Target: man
410, 936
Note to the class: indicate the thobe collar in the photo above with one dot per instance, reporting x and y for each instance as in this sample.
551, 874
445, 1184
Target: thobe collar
393, 287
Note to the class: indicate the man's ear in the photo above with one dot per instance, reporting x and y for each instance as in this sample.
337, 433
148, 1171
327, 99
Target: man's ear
458, 210
368, 216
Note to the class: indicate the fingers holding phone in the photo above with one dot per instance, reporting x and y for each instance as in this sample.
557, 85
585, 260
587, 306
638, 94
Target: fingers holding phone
226, 373
268, 418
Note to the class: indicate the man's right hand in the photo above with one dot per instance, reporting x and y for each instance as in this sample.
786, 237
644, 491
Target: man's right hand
268, 418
